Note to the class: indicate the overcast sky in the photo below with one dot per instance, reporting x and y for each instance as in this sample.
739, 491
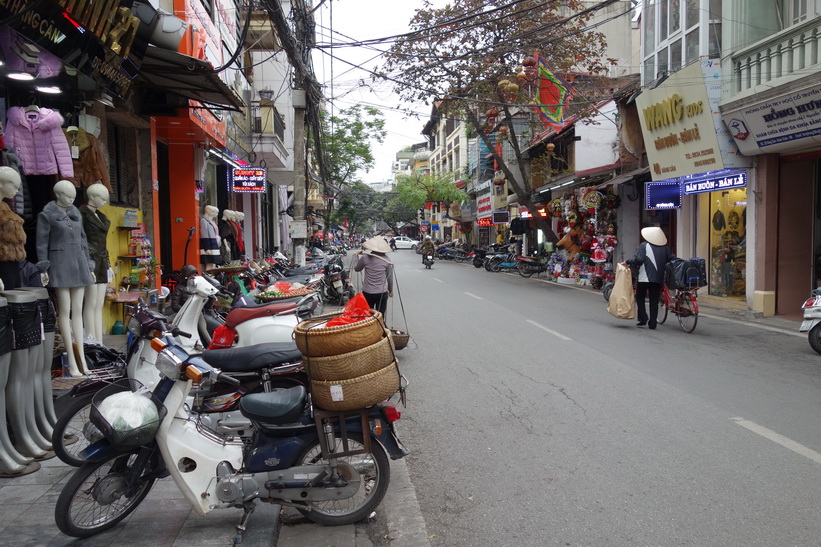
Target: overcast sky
362, 20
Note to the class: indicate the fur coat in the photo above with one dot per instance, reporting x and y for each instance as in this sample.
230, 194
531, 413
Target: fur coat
62, 247
38, 139
12, 235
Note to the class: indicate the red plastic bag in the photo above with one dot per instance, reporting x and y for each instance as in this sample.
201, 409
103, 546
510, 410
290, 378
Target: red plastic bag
355, 310
282, 286
222, 338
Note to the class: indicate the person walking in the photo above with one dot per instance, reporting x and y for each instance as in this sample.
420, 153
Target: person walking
377, 285
651, 259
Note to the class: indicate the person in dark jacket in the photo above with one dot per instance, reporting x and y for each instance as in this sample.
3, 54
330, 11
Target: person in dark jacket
180, 293
651, 259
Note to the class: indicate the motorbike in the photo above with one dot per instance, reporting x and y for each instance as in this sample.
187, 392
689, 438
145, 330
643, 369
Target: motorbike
336, 285
529, 265
331, 467
507, 261
812, 319
428, 260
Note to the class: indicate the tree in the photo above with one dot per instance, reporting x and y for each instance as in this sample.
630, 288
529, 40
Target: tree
467, 57
359, 204
348, 137
414, 191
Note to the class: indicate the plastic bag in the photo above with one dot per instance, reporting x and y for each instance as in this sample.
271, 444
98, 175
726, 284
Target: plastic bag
128, 410
622, 303
355, 310
222, 338
282, 286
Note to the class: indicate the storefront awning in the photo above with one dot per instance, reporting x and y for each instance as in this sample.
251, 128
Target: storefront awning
625, 177
186, 76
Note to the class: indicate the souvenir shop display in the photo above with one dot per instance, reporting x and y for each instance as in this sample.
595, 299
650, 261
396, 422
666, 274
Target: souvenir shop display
728, 244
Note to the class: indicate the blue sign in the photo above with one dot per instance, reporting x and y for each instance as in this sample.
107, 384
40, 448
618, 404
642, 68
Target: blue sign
713, 184
663, 195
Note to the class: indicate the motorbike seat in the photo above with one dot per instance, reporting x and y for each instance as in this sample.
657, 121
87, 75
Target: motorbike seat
251, 358
240, 315
306, 270
280, 406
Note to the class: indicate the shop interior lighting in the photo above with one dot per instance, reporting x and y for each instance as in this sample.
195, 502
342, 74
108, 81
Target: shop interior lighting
51, 89
106, 99
21, 76
224, 157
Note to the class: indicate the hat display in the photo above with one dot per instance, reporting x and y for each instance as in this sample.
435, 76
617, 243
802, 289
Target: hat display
654, 236
377, 244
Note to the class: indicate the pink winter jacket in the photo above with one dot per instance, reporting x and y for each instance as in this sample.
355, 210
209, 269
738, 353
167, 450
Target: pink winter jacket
38, 140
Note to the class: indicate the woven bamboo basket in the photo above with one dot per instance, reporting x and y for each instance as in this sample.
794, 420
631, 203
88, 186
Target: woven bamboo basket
358, 392
316, 340
353, 364
400, 338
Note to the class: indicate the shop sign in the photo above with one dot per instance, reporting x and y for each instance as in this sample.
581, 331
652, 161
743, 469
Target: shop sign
725, 182
501, 217
484, 205
663, 195
677, 126
485, 221
783, 124
97, 40
248, 180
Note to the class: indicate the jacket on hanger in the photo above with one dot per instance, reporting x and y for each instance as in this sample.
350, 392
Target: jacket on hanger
12, 235
90, 167
62, 247
209, 242
38, 139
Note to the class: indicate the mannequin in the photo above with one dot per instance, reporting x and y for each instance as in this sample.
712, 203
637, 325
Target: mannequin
12, 234
209, 239
226, 237
46, 416
239, 218
65, 266
12, 463
96, 225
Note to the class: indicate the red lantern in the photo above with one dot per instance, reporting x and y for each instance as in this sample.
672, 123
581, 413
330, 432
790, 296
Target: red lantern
529, 62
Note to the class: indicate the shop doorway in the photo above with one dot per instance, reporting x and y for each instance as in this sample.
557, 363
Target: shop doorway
797, 218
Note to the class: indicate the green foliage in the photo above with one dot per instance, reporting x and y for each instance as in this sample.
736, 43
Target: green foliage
413, 191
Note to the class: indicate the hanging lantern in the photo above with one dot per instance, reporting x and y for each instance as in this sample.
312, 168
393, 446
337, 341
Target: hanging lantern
491, 112
512, 88
521, 76
504, 83
503, 131
529, 61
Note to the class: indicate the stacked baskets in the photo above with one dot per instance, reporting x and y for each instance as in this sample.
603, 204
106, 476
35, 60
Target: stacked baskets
350, 366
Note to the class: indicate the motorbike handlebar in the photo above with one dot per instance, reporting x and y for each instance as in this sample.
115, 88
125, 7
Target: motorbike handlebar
177, 332
228, 379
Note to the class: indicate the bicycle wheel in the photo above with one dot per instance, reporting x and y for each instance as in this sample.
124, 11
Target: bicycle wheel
687, 311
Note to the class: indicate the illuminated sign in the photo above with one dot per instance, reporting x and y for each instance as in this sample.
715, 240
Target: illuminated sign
501, 217
663, 195
486, 221
248, 180
725, 182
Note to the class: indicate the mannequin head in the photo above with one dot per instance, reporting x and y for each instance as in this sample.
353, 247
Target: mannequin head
226, 214
97, 195
240, 216
65, 192
210, 212
9, 182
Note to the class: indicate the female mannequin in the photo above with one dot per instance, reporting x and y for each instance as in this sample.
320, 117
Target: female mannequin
65, 266
12, 235
96, 226
209, 239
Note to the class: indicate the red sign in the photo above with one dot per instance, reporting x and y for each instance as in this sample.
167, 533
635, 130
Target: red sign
484, 221
423, 228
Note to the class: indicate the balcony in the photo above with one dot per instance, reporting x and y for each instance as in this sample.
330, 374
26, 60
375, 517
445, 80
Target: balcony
268, 129
261, 35
779, 59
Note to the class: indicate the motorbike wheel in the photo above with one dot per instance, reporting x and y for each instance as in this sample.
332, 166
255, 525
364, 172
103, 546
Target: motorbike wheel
494, 264
478, 262
815, 338
606, 289
96, 497
73, 431
524, 269
374, 470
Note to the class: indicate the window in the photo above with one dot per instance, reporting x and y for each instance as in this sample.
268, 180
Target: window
663, 65
675, 16
691, 46
715, 40
663, 19
675, 55
796, 11
648, 21
691, 13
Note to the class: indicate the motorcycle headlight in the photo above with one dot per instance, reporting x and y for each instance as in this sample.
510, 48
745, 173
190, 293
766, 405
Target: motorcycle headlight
169, 364
133, 326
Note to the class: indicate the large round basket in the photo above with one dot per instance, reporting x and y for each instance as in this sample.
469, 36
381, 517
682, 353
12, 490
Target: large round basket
353, 364
314, 339
358, 392
400, 338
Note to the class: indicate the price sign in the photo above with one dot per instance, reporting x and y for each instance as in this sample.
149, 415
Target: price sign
248, 180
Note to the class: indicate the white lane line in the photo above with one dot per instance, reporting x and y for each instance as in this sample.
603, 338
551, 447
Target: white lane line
437, 279
780, 439
754, 325
470, 294
551, 331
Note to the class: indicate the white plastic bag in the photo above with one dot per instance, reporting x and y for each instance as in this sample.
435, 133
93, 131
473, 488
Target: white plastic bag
128, 410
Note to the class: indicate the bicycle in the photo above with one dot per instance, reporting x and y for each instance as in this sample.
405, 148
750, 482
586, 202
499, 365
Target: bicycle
684, 305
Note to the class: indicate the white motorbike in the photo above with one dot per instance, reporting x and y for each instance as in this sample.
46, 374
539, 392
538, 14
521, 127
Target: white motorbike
812, 319
331, 467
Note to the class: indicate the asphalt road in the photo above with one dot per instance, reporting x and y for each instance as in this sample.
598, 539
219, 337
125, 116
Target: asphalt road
536, 418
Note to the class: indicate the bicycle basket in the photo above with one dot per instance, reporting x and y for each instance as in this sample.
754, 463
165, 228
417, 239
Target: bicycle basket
123, 434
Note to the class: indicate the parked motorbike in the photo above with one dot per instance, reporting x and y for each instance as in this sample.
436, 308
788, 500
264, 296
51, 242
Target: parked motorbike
529, 265
508, 261
428, 260
812, 319
320, 463
336, 285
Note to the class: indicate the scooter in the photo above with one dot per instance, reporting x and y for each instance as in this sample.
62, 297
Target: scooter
428, 260
331, 467
812, 319
529, 265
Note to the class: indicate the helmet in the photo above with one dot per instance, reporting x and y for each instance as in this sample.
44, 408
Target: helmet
188, 270
427, 237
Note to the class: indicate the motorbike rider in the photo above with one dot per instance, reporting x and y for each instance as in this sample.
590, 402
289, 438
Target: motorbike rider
427, 246
181, 293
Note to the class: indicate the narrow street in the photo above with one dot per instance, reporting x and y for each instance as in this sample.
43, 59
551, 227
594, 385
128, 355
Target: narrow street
534, 417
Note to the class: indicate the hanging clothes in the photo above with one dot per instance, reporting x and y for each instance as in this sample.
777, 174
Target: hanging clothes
209, 242
89, 163
38, 139
719, 222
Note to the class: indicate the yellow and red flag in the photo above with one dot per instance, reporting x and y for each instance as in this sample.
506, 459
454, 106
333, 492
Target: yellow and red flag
552, 95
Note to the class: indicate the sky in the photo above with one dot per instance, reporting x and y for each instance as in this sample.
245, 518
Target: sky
361, 20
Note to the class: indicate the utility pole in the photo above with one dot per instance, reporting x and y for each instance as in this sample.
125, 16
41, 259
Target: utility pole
299, 227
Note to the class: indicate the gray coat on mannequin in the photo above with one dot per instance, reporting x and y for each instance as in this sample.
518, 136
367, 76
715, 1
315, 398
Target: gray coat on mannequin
62, 248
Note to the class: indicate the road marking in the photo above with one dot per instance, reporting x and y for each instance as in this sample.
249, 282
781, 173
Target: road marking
752, 324
439, 280
470, 294
551, 331
780, 439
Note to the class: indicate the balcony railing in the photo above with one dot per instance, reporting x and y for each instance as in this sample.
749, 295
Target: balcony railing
781, 58
267, 120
